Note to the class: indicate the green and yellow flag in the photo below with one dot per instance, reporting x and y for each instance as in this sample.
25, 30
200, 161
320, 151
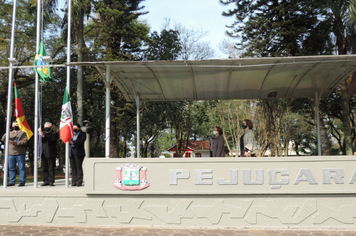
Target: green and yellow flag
20, 115
44, 73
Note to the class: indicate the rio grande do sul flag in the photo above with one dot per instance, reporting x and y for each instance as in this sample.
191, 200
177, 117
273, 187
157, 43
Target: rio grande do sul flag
20, 115
44, 73
66, 125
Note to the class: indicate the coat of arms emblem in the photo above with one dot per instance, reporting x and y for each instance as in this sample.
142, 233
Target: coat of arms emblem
131, 177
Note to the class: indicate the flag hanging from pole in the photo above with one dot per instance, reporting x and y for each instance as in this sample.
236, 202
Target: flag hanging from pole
44, 73
66, 127
20, 115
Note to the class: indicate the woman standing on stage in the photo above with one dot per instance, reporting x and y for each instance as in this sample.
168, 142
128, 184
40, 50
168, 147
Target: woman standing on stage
248, 144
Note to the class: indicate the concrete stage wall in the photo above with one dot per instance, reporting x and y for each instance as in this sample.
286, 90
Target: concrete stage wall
313, 192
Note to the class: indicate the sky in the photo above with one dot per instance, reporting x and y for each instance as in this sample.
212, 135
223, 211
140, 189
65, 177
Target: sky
202, 14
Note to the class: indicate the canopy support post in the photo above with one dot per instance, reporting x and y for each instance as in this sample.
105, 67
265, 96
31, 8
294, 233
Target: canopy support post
138, 126
107, 120
317, 99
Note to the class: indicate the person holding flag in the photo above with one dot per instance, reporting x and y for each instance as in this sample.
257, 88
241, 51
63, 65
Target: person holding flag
49, 153
20, 115
18, 143
17, 152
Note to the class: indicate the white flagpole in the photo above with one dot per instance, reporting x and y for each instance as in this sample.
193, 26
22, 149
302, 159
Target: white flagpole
68, 85
107, 105
35, 136
9, 95
138, 144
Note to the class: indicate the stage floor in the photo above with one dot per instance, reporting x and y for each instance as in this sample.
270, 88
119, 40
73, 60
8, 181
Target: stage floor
58, 190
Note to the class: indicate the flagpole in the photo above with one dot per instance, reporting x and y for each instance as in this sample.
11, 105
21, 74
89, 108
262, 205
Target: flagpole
9, 95
35, 136
68, 85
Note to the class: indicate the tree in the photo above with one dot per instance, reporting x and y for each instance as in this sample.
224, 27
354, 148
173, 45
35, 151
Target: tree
283, 28
279, 28
165, 46
229, 115
228, 47
153, 123
119, 34
343, 27
183, 118
191, 41
193, 48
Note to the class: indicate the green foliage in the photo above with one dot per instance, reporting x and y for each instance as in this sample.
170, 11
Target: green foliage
165, 46
165, 140
297, 28
121, 34
184, 118
167, 155
229, 115
280, 28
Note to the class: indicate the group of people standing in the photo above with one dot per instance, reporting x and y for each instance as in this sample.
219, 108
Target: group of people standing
17, 152
248, 144
18, 146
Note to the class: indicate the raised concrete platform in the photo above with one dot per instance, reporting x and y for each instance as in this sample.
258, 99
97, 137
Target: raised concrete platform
331, 203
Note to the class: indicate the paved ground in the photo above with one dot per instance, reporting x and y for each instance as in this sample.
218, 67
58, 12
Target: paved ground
73, 231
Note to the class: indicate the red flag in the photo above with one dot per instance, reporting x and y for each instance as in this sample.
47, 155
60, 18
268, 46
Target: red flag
20, 115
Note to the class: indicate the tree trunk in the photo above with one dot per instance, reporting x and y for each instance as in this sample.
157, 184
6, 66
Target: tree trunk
124, 147
180, 149
98, 139
114, 134
177, 140
145, 148
226, 142
271, 127
296, 144
346, 118
324, 139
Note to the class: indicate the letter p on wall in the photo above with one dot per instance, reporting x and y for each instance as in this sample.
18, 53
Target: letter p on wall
175, 174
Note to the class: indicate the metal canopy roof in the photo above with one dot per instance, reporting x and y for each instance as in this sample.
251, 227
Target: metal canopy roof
246, 78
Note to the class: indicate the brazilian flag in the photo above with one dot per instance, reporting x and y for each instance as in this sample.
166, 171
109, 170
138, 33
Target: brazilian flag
44, 73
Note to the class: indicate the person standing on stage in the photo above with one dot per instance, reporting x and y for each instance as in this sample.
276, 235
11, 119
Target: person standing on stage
217, 143
77, 155
248, 144
49, 153
17, 152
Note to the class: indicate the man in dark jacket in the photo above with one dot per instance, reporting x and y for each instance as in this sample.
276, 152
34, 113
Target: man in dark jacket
49, 153
77, 155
